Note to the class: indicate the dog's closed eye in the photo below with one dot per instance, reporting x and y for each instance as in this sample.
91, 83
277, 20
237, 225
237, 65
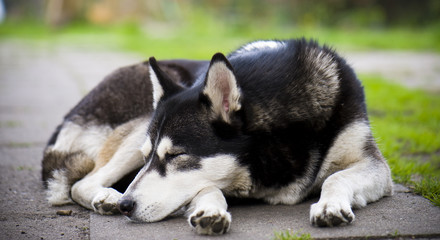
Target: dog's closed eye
173, 155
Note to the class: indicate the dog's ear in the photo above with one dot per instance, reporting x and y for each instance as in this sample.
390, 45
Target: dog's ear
221, 87
163, 85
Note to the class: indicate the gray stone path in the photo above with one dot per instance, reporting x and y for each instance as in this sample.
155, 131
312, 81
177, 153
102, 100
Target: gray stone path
40, 82
412, 69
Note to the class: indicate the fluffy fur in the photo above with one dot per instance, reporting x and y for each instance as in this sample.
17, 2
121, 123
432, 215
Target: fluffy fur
98, 142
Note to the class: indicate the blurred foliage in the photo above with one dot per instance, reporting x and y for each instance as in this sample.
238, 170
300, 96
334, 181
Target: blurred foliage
238, 14
203, 38
197, 29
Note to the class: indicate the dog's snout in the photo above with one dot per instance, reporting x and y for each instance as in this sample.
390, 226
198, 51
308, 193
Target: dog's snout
126, 206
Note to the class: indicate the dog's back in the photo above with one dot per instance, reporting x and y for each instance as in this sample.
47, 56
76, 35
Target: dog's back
284, 82
296, 98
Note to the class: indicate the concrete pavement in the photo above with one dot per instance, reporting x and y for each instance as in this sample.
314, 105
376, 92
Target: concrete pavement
412, 69
40, 82
403, 215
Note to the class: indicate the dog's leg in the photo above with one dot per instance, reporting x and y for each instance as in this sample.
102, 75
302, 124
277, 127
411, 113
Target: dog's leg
94, 190
208, 212
366, 178
354, 187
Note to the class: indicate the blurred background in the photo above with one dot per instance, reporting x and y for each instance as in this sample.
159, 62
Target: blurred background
329, 13
348, 13
202, 27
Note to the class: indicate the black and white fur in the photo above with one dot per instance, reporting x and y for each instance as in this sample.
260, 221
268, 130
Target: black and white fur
275, 120
98, 142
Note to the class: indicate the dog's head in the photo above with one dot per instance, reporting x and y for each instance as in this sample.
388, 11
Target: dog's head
192, 143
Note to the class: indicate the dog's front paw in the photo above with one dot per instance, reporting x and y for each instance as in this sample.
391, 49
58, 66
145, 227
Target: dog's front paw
329, 214
210, 221
105, 202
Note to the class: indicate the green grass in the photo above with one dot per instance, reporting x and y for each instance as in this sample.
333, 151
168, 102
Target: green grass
199, 37
290, 235
406, 124
428, 187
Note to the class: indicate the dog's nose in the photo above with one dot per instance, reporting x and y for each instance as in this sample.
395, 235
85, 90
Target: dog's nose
126, 206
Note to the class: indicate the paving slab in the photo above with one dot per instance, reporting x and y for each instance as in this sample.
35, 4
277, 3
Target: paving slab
403, 215
40, 82
412, 69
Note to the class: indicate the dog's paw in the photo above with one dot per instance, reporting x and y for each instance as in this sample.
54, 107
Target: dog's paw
210, 221
105, 202
330, 214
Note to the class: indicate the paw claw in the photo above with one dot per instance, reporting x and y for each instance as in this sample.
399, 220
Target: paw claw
349, 216
200, 213
192, 221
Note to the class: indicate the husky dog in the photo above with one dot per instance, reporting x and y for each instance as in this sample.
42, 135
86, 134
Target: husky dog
275, 120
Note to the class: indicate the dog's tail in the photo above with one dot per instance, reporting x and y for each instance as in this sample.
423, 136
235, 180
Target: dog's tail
60, 171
